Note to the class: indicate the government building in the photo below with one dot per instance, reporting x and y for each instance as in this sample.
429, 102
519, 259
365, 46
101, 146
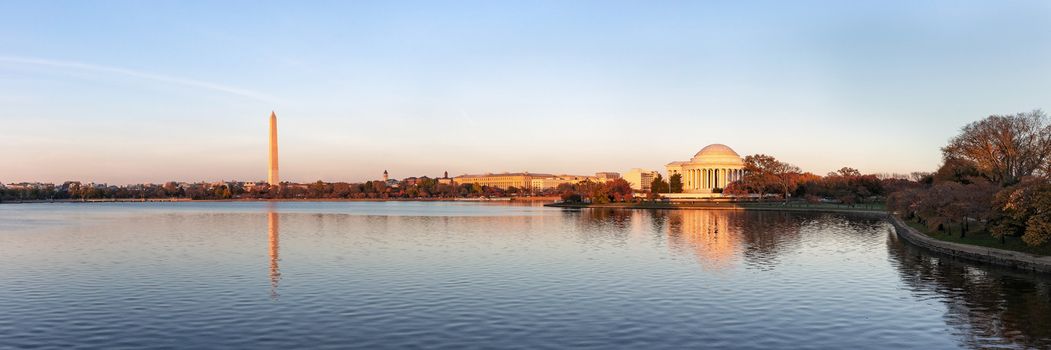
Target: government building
535, 181
713, 167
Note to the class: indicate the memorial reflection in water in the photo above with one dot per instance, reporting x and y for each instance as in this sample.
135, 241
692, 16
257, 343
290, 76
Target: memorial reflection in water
370, 273
711, 235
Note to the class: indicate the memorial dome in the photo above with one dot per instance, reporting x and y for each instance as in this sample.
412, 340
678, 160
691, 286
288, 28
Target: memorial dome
716, 153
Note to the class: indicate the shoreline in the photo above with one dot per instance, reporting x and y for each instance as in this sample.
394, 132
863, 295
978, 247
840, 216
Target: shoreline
1002, 257
187, 200
976, 253
717, 206
987, 255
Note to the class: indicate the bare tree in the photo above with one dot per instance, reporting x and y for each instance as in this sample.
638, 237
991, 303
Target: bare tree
1005, 147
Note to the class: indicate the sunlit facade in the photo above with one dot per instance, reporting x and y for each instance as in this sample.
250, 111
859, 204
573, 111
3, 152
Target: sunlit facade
640, 179
535, 181
714, 167
272, 176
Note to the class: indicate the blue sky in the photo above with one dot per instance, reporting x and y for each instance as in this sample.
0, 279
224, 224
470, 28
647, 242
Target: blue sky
149, 91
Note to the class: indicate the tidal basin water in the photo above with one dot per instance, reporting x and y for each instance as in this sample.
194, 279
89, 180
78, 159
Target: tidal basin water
475, 275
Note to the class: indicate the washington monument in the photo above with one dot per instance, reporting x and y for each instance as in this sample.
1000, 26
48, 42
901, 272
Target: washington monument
272, 177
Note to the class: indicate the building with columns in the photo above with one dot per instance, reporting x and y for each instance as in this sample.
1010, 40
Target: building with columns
714, 167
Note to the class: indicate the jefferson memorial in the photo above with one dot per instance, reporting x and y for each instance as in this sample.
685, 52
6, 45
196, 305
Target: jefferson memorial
715, 166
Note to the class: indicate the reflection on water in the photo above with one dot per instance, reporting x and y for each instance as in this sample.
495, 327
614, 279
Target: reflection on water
713, 236
484, 275
718, 239
987, 306
274, 232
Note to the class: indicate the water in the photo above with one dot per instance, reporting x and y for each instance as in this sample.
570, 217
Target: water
478, 275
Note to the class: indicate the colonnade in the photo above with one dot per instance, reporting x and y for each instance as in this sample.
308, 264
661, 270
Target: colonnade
709, 178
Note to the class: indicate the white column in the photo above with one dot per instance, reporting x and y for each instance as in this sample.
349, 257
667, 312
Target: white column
686, 181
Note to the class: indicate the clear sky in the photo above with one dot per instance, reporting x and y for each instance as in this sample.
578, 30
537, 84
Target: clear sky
150, 91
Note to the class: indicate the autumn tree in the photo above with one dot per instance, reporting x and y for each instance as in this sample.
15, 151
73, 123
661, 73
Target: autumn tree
319, 189
765, 173
957, 170
1004, 148
620, 189
1026, 211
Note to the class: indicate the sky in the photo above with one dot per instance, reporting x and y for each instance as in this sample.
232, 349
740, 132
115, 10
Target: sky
127, 92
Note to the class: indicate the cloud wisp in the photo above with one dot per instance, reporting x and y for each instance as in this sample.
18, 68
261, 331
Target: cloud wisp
138, 74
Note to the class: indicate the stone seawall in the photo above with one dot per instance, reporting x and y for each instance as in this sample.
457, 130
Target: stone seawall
1018, 260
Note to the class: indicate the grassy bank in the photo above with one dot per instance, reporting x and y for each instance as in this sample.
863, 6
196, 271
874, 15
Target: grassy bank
980, 237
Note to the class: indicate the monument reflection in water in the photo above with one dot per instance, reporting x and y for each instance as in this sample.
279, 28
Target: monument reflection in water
274, 233
463, 275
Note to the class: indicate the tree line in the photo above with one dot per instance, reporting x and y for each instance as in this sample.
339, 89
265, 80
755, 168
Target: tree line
994, 177
766, 178
422, 187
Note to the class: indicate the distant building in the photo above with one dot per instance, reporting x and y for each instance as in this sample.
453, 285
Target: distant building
543, 183
502, 181
534, 181
412, 180
714, 166
640, 179
445, 179
66, 186
607, 176
251, 186
385, 177
30, 186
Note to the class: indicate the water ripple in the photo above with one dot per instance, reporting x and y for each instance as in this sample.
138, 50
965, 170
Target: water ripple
461, 276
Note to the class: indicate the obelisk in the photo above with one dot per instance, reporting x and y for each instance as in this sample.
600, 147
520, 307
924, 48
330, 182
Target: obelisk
272, 177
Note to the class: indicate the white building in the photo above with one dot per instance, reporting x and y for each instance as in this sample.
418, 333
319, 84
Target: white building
714, 166
543, 183
640, 179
